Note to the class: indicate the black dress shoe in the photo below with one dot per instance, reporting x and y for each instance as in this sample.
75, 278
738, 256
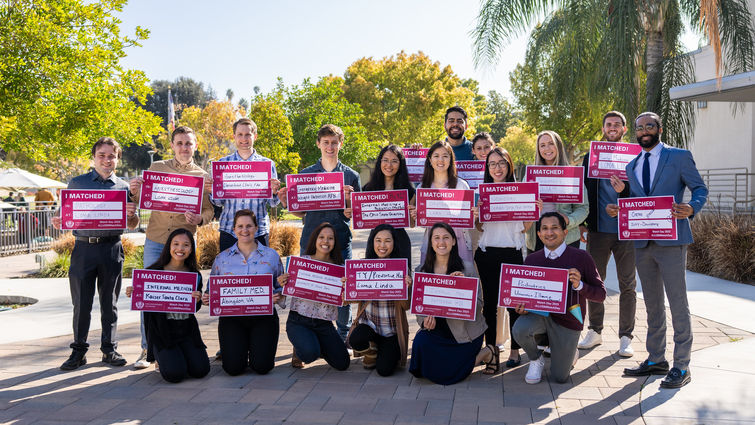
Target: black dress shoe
675, 378
645, 369
76, 359
113, 359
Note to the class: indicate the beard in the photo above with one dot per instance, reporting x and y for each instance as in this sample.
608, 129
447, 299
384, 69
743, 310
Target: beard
654, 139
455, 132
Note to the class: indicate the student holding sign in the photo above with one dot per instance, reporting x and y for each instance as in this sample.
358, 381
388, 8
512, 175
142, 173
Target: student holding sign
173, 339
446, 350
380, 332
310, 323
550, 151
562, 329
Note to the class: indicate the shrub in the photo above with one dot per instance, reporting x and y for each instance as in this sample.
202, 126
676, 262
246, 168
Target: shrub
208, 245
57, 267
284, 238
134, 259
64, 244
699, 253
724, 247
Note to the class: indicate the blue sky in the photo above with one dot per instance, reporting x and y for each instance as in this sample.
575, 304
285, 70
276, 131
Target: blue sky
239, 45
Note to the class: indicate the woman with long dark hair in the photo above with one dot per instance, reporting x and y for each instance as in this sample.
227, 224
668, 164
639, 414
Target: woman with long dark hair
173, 339
310, 323
380, 332
446, 350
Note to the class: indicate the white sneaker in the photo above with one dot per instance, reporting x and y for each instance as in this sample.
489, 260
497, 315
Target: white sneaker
141, 362
625, 347
535, 371
590, 340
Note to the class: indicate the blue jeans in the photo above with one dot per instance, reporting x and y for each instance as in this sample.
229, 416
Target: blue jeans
343, 322
315, 338
152, 251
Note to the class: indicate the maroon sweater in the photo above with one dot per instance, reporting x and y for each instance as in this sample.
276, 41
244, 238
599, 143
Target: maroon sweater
593, 288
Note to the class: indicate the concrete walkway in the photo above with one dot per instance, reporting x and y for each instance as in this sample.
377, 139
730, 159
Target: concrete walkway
35, 342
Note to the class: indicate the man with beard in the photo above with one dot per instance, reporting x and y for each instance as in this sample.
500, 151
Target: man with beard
602, 241
455, 125
662, 170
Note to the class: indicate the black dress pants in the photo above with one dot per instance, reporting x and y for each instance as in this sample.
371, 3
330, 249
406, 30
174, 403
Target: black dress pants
248, 341
388, 350
489, 266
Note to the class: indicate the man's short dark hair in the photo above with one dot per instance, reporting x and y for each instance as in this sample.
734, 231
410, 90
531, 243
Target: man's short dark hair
561, 220
617, 114
330, 130
182, 130
655, 117
458, 109
108, 141
245, 121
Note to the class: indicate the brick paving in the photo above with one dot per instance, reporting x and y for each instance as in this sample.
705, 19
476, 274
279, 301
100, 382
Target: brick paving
34, 391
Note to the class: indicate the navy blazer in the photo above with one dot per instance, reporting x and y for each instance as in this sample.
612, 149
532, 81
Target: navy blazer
676, 170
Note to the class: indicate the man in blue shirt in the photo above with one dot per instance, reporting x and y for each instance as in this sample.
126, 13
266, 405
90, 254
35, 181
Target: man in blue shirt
455, 125
97, 261
330, 141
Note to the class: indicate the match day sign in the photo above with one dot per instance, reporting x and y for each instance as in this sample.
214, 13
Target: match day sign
386, 206
174, 193
647, 218
415, 163
561, 185
93, 209
538, 288
451, 206
315, 192
163, 291
315, 280
242, 179
452, 297
381, 279
611, 158
241, 295
471, 171
509, 202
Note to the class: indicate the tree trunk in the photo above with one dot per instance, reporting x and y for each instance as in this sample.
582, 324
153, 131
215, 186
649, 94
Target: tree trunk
654, 69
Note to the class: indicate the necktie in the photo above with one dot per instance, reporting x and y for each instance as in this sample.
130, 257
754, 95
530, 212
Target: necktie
646, 173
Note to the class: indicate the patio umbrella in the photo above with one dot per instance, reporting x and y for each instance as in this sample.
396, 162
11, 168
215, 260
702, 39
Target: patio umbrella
16, 178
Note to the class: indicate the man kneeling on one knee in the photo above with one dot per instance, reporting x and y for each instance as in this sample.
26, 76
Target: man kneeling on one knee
563, 329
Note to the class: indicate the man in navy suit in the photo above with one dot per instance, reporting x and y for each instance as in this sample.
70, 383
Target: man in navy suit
661, 170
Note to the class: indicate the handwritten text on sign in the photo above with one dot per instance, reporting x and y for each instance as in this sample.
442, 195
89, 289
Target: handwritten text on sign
241, 179
93, 209
452, 206
509, 202
415, 163
647, 218
241, 295
452, 297
562, 185
471, 171
538, 288
381, 279
176, 193
315, 280
315, 192
610, 159
387, 206
163, 291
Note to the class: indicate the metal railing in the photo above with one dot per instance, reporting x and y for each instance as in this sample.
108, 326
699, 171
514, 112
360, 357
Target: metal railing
730, 190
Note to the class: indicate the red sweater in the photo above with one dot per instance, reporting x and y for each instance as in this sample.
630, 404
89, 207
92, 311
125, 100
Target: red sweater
593, 288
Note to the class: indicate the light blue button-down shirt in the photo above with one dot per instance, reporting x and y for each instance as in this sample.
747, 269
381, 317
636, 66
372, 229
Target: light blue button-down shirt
263, 260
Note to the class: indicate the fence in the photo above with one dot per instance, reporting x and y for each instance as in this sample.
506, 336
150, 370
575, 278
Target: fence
729, 190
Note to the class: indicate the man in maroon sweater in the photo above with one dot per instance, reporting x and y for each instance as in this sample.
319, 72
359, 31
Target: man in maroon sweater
563, 329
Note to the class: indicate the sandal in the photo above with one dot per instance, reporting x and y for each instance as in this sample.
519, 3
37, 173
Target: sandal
296, 362
494, 365
514, 362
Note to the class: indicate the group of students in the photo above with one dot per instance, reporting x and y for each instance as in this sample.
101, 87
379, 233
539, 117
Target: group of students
444, 351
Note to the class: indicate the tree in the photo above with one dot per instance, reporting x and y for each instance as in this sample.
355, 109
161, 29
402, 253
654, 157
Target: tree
404, 97
213, 127
503, 112
638, 46
185, 91
275, 139
520, 144
62, 85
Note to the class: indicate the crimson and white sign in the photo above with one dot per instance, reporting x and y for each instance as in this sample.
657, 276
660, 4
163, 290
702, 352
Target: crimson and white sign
452, 297
315, 192
558, 184
242, 295
380, 279
175, 193
451, 206
415, 163
538, 288
509, 202
471, 171
241, 179
315, 280
647, 218
93, 209
163, 291
386, 206
610, 159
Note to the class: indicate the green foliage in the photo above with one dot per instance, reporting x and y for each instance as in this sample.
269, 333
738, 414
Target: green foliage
185, 91
520, 144
213, 127
57, 267
61, 82
503, 114
275, 139
133, 260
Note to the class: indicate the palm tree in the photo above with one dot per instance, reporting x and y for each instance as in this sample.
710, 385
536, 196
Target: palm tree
638, 55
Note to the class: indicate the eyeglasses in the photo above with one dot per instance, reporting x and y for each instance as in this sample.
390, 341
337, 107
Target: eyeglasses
646, 127
500, 164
